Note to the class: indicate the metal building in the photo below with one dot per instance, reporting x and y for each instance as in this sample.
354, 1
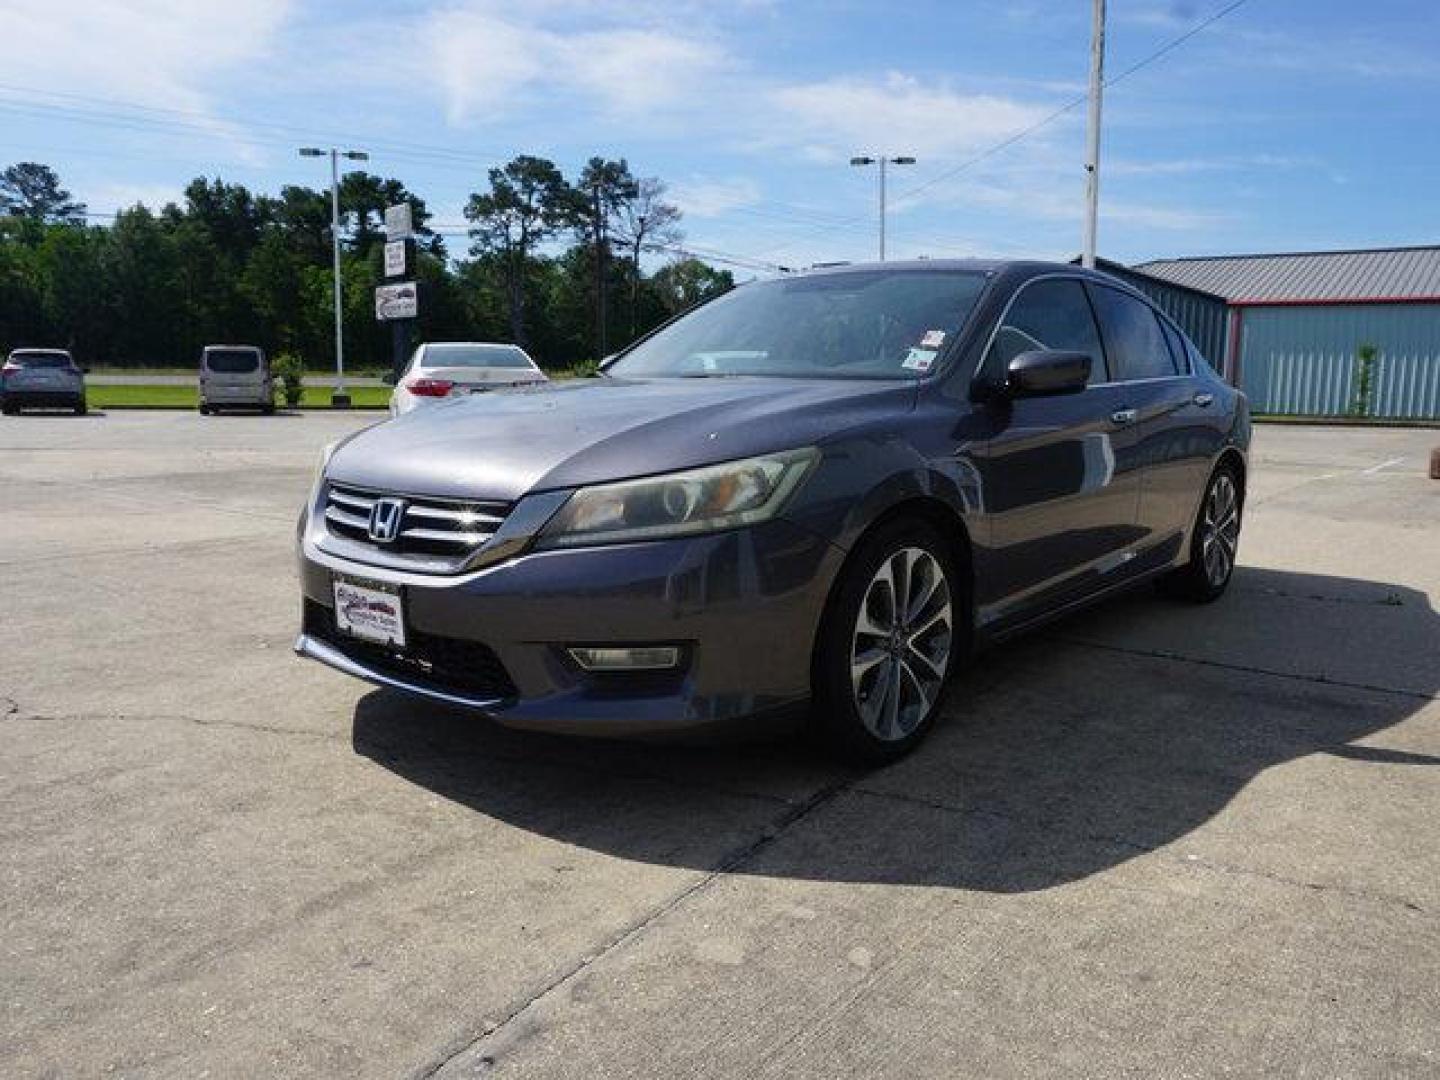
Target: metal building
1297, 323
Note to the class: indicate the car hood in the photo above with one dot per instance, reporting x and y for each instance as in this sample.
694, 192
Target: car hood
504, 444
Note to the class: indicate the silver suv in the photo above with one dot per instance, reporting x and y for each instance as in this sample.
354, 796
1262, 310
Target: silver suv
41, 378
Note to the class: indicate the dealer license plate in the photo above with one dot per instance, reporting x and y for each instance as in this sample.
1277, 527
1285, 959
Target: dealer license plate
369, 610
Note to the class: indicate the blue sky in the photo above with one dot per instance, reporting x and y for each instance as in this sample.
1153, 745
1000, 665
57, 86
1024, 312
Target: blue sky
1286, 125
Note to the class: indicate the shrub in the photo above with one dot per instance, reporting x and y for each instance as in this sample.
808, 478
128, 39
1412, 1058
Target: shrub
1364, 379
291, 371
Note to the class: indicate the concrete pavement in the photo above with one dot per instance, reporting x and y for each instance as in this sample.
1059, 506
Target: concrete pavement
1155, 840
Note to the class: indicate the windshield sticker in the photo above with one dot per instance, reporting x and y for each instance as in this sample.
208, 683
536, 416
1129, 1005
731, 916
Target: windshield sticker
919, 360
933, 339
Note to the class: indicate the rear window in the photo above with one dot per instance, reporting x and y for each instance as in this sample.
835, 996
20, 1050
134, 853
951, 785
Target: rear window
500, 356
232, 361
41, 360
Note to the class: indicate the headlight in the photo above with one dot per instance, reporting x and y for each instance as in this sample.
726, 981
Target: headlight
680, 504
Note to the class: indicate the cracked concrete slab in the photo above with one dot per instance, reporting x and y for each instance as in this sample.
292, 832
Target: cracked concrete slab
1153, 840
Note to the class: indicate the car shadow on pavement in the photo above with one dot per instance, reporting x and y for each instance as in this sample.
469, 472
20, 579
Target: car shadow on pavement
1061, 755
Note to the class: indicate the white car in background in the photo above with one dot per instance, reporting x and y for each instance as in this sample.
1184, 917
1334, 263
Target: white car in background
444, 369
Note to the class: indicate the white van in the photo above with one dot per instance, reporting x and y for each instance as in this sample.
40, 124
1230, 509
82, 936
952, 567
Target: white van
235, 376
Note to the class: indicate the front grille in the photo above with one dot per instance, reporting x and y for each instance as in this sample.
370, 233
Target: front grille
455, 664
450, 528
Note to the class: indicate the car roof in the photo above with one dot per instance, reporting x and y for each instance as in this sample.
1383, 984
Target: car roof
1012, 272
256, 348
1018, 267
39, 352
488, 344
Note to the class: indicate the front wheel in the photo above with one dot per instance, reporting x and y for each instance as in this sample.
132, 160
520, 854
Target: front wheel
890, 639
1214, 542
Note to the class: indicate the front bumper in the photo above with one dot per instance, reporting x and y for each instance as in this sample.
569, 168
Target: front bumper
744, 607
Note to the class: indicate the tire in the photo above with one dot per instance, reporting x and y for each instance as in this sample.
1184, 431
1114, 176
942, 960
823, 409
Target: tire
268, 410
80, 407
9, 410
1214, 540
204, 409
878, 692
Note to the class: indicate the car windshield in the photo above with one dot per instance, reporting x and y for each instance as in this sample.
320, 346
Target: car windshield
854, 324
232, 361
40, 360
500, 356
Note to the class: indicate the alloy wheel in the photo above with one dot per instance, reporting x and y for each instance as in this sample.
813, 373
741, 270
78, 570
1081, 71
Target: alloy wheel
900, 650
1220, 530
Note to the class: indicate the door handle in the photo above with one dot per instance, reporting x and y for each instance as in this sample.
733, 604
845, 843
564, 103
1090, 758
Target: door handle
1123, 416
1203, 399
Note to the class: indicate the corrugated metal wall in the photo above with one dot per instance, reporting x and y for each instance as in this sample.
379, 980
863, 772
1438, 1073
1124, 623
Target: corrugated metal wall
1203, 318
1301, 361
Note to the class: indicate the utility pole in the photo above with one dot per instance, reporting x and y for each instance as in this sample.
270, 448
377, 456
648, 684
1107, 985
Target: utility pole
1092, 155
882, 161
339, 399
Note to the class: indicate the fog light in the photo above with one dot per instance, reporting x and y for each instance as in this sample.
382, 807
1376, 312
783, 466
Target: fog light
627, 658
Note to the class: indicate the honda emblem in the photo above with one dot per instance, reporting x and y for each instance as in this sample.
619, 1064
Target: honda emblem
385, 518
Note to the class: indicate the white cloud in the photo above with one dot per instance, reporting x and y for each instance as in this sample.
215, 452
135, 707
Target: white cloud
157, 53
491, 61
1188, 166
154, 52
898, 114
699, 197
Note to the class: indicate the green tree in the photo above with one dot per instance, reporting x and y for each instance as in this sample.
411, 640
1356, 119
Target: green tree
363, 200
606, 188
69, 265
139, 267
645, 221
527, 204
31, 190
229, 213
686, 282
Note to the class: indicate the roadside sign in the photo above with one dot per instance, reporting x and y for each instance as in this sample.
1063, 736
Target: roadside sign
395, 258
399, 223
400, 301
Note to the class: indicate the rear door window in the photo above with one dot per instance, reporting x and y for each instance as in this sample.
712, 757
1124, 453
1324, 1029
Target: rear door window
232, 361
1134, 341
1048, 314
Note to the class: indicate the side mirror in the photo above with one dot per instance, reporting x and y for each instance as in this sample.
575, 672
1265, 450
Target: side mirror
1042, 372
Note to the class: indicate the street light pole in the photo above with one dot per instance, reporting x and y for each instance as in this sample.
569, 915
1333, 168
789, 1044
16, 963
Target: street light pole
882, 161
1092, 155
339, 399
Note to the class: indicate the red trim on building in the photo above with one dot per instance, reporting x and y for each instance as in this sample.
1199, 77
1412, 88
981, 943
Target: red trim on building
1337, 302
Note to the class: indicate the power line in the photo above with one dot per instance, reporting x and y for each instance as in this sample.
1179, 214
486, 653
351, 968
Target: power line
1048, 119
1074, 103
149, 125
207, 123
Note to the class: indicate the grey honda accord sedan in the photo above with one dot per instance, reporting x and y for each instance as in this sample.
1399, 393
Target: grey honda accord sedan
816, 495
